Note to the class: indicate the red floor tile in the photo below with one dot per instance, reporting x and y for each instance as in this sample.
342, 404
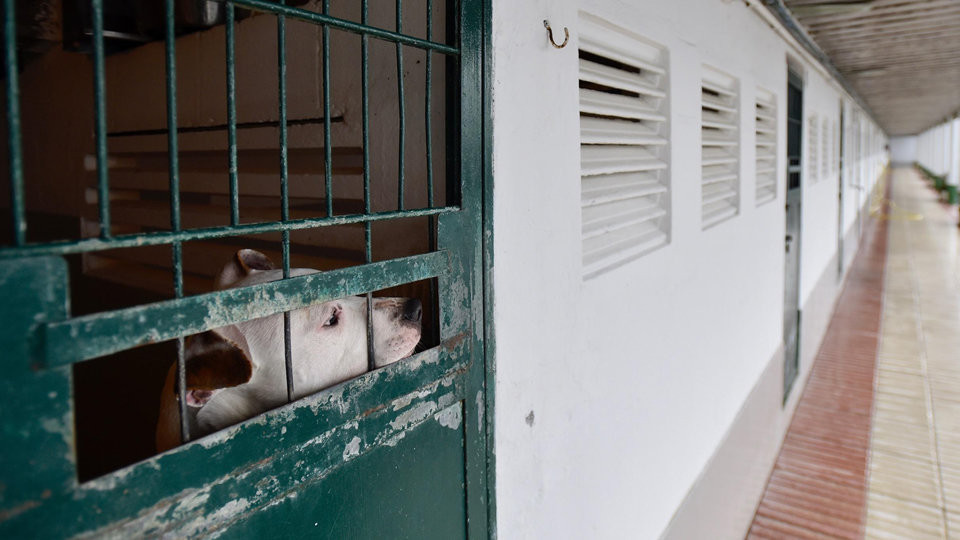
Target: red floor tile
817, 488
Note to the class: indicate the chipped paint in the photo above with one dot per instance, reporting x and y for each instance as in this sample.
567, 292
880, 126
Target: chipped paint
352, 449
98, 334
414, 416
480, 411
405, 401
218, 483
451, 417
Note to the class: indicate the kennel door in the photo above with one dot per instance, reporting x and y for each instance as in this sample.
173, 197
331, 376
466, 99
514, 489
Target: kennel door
400, 451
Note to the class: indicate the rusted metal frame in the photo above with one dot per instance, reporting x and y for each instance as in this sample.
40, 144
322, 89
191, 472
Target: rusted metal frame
90, 336
100, 118
375, 407
15, 157
163, 238
365, 127
170, 61
230, 48
349, 26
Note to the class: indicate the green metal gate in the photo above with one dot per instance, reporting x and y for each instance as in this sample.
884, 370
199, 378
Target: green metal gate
401, 451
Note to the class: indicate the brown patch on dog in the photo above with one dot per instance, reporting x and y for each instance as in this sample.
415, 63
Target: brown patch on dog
214, 362
243, 263
251, 259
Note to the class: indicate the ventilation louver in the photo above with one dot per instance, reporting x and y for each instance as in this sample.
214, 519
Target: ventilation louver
813, 149
720, 147
824, 148
766, 142
623, 146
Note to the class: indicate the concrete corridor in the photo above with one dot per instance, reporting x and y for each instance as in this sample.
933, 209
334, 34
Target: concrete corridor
874, 448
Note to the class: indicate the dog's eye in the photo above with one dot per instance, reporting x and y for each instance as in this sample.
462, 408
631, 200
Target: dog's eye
334, 319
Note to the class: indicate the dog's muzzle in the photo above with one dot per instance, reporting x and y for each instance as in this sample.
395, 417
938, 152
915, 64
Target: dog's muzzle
412, 311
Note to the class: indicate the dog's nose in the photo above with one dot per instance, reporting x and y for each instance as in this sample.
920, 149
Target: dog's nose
412, 310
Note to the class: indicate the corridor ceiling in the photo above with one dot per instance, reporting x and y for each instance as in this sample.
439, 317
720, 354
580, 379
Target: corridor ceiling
901, 56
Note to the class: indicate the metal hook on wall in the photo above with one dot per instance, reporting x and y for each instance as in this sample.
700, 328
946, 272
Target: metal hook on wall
566, 35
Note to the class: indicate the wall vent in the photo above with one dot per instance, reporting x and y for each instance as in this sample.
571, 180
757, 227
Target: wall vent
625, 187
835, 162
766, 144
824, 147
720, 147
813, 149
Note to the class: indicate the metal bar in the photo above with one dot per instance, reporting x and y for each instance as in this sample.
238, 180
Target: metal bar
172, 146
177, 248
232, 114
367, 229
349, 26
428, 127
327, 143
163, 238
100, 118
182, 391
427, 107
401, 110
365, 115
284, 190
99, 334
13, 124
221, 127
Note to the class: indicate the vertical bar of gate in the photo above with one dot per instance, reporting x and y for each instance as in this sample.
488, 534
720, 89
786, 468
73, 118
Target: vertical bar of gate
284, 193
13, 124
232, 114
100, 117
365, 120
175, 225
428, 127
402, 108
428, 121
327, 143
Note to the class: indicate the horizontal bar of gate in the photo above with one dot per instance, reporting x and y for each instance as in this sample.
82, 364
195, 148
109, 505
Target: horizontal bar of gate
343, 24
162, 238
90, 336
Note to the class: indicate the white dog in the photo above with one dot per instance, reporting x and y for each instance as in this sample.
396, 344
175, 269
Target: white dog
236, 372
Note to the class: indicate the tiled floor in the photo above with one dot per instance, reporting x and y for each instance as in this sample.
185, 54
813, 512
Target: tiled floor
896, 474
818, 486
914, 489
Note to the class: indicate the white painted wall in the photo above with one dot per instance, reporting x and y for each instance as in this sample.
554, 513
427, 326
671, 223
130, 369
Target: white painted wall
903, 150
613, 394
938, 150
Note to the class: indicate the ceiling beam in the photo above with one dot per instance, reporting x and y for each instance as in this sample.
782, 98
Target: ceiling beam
900, 19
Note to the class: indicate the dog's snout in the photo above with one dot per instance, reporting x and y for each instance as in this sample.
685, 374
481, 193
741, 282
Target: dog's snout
412, 310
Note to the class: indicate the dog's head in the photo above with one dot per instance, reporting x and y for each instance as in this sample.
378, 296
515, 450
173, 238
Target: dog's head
237, 371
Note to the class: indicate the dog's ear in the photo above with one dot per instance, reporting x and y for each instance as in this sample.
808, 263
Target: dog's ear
242, 264
213, 363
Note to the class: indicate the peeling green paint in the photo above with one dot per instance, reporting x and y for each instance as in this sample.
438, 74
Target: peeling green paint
419, 426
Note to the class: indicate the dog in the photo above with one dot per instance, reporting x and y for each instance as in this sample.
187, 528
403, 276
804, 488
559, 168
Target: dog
238, 371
